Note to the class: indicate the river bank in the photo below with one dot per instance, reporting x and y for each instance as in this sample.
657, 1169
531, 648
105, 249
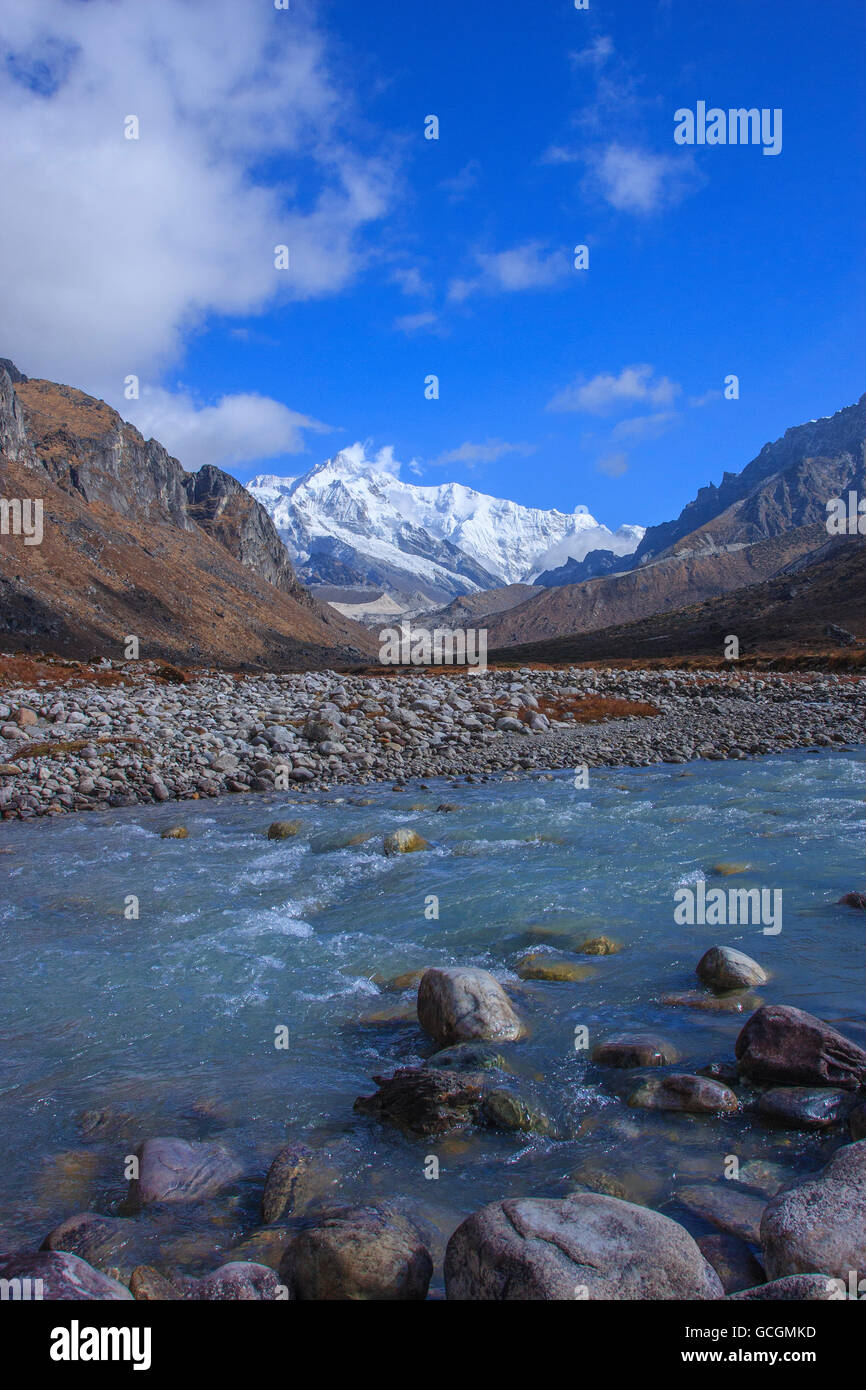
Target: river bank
125, 737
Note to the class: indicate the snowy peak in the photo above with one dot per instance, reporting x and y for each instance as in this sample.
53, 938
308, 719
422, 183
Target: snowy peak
351, 521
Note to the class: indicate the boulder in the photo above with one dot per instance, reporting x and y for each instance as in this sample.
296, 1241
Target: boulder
461, 1004
540, 965
798, 1107
787, 1046
175, 832
722, 967
468, 1057
599, 946
358, 1253
503, 1108
61, 1276
635, 1050
236, 1282
680, 1091
583, 1246
819, 1226
857, 900
177, 1170
733, 1261
423, 1101
404, 841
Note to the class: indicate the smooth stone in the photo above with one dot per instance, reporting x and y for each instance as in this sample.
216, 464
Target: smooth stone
410, 979
422, 1101
798, 1107
283, 829
64, 1276
584, 1245
635, 1050
404, 841
819, 1226
175, 832
737, 1213
723, 967
679, 1091
178, 1170
790, 1047
733, 1261
460, 1004
504, 1109
358, 1253
797, 1288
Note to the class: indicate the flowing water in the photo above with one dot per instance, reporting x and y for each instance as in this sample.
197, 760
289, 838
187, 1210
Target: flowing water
167, 1024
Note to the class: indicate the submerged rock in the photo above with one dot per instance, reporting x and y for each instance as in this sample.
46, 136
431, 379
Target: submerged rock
358, 1253
599, 946
798, 1107
423, 1101
635, 1050
737, 1213
62, 1276
582, 1246
820, 1225
791, 1047
283, 829
175, 832
503, 1108
296, 1178
404, 841
106, 1242
857, 900
179, 1170
723, 967
468, 1057
236, 1282
733, 1261
735, 1003
680, 1091
461, 1004
538, 965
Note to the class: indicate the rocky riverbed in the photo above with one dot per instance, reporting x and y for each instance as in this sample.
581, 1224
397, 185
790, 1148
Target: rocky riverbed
138, 737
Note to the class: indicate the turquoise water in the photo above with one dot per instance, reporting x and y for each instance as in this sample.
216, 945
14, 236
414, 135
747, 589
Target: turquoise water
167, 1023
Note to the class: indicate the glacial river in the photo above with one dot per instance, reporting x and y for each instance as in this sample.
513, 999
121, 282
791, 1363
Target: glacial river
115, 1027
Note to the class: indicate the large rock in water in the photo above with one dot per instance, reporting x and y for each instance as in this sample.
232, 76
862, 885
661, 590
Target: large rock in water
582, 1246
461, 1004
819, 1227
62, 1276
109, 1243
358, 1253
723, 967
177, 1170
789, 1047
423, 1101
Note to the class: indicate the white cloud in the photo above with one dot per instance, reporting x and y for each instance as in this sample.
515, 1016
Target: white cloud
606, 393
643, 427
489, 452
237, 430
112, 250
634, 180
527, 267
705, 399
613, 465
410, 280
416, 323
595, 54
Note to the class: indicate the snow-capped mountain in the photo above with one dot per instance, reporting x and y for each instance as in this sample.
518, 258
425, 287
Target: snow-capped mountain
352, 522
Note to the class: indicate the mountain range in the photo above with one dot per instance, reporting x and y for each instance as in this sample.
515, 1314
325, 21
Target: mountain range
353, 523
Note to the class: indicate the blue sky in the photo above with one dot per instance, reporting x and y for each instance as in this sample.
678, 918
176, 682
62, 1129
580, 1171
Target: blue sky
454, 256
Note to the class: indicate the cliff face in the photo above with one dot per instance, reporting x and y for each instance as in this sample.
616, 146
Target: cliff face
133, 544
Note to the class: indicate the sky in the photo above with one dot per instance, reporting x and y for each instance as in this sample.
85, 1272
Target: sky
256, 127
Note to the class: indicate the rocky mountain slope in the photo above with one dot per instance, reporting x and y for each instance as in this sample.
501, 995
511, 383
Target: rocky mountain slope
742, 532
351, 521
132, 544
817, 603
